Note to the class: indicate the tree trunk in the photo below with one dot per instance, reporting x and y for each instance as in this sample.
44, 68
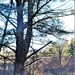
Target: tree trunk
19, 69
22, 45
20, 53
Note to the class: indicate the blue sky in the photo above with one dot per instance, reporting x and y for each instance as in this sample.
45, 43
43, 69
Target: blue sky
68, 20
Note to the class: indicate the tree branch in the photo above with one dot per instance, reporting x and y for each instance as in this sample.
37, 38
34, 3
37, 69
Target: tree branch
8, 47
38, 50
36, 13
6, 18
32, 62
6, 58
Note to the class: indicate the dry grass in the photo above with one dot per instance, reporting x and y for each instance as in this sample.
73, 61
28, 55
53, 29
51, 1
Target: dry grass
45, 66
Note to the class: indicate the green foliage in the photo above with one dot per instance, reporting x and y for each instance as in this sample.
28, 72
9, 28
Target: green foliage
50, 50
57, 50
71, 50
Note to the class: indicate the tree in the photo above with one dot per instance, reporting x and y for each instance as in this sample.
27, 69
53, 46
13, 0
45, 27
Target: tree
71, 50
53, 49
37, 19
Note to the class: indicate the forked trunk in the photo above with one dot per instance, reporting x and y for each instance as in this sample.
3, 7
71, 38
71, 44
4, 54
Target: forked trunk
22, 44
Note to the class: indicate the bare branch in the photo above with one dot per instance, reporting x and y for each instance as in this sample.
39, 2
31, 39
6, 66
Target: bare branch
12, 60
32, 62
38, 50
6, 19
8, 47
4, 34
36, 13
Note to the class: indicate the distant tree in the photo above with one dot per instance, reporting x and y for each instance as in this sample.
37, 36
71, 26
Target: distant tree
59, 50
53, 50
71, 50
65, 48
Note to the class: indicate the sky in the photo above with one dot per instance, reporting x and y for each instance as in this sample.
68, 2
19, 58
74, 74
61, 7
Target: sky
68, 26
68, 5
68, 20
